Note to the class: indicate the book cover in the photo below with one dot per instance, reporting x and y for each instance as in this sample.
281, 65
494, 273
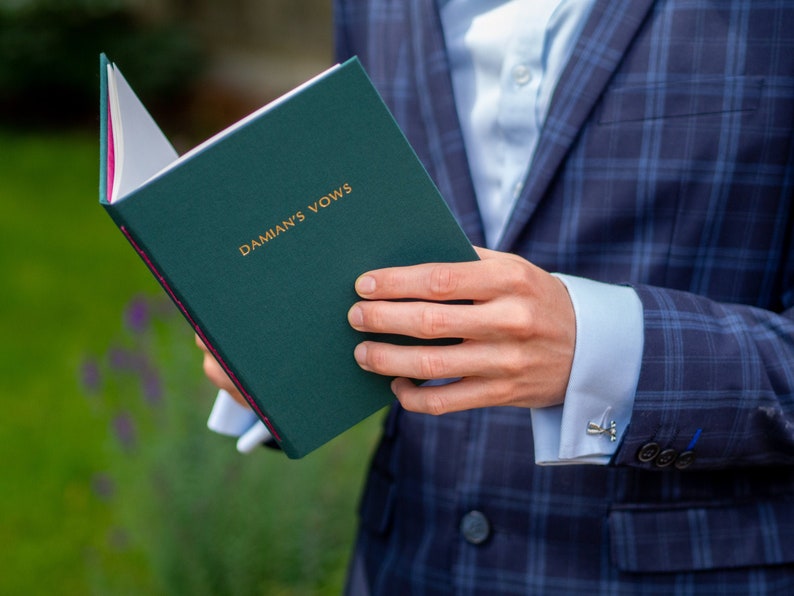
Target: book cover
259, 234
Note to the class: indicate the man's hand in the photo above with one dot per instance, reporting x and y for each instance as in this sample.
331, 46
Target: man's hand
217, 376
518, 333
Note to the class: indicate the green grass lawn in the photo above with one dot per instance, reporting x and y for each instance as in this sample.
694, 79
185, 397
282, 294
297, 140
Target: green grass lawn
66, 279
179, 510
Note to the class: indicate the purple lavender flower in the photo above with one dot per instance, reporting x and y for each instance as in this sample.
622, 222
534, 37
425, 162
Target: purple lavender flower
124, 429
121, 359
137, 315
90, 376
128, 360
152, 386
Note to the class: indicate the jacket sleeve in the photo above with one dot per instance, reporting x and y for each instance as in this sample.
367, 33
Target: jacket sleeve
716, 386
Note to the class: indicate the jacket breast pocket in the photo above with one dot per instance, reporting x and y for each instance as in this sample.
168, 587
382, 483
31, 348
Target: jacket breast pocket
645, 540
690, 97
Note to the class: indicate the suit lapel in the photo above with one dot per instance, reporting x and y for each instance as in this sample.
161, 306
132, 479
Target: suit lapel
609, 30
449, 163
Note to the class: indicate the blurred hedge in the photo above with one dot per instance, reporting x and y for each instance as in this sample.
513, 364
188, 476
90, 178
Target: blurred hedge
49, 58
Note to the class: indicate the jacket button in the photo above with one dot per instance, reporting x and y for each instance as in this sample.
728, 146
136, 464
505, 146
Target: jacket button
665, 458
648, 451
685, 459
475, 527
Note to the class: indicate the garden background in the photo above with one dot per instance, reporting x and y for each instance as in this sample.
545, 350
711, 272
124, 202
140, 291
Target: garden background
109, 481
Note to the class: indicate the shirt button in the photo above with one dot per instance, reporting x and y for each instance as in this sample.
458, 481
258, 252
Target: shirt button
518, 188
665, 458
475, 527
521, 74
648, 451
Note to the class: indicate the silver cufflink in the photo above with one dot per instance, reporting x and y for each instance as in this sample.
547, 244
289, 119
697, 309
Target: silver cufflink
595, 429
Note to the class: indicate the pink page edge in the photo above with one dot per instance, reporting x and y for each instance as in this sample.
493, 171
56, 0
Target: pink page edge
111, 163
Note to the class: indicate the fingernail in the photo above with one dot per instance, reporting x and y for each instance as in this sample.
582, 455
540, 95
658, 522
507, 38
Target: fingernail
360, 354
356, 316
365, 284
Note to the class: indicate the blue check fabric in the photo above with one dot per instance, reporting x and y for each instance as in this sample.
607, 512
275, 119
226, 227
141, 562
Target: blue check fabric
666, 162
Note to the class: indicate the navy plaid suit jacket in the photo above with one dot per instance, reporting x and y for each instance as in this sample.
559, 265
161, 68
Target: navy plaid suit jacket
666, 162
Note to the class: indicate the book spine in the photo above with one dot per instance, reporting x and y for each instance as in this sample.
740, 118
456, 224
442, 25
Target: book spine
164, 283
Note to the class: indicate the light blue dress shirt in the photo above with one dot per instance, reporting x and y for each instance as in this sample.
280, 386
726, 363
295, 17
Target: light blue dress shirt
506, 57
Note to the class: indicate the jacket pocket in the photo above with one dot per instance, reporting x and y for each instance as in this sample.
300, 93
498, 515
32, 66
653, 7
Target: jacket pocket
700, 538
692, 97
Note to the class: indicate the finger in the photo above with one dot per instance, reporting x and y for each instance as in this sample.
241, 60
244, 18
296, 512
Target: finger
217, 376
465, 394
199, 342
490, 320
424, 320
495, 275
428, 362
428, 281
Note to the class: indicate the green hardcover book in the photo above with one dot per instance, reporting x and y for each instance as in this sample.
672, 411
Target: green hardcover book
258, 235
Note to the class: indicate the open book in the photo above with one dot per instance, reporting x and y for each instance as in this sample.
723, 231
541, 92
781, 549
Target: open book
133, 132
259, 233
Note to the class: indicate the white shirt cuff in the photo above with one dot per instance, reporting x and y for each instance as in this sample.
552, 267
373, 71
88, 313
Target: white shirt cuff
604, 375
232, 419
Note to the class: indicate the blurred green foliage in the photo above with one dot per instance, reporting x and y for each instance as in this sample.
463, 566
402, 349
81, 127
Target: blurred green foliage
189, 515
49, 58
111, 483
66, 278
